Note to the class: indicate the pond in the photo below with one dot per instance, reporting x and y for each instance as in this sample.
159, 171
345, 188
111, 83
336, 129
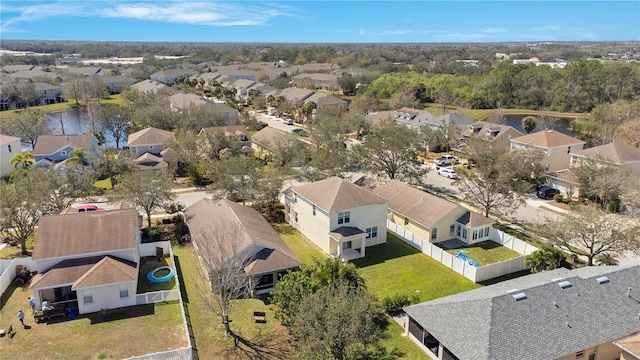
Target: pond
561, 125
76, 122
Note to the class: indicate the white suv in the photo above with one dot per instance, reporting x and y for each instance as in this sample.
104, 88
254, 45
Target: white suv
445, 160
288, 121
447, 172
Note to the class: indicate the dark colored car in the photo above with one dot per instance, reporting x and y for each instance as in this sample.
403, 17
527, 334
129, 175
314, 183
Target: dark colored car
547, 193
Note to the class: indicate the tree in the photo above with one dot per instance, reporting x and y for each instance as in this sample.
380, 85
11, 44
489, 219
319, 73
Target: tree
364, 103
529, 124
338, 322
547, 257
307, 109
348, 83
27, 124
223, 263
444, 96
77, 156
590, 232
607, 260
22, 160
392, 150
403, 97
629, 132
601, 180
236, 176
490, 194
147, 189
113, 121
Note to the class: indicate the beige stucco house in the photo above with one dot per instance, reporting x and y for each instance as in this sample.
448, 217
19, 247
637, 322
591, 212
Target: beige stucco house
556, 146
559, 314
339, 217
616, 153
9, 147
498, 135
432, 218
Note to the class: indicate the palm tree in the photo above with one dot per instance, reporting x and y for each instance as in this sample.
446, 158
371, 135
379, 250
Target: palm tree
22, 161
607, 259
307, 109
75, 157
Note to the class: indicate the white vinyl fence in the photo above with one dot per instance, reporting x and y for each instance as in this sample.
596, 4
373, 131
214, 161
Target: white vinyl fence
475, 274
8, 271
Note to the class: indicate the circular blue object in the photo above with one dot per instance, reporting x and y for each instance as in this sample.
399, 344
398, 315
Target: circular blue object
151, 275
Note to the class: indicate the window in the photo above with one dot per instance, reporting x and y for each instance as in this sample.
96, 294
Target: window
452, 229
434, 233
406, 221
124, 291
580, 354
265, 282
314, 210
475, 234
87, 296
9, 147
372, 232
459, 231
150, 146
63, 152
486, 231
346, 245
295, 216
344, 217
464, 233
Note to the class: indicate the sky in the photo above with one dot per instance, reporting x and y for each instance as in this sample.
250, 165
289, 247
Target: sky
320, 21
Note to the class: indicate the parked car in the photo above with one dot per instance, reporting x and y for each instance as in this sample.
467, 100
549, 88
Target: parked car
446, 160
83, 208
300, 132
288, 121
447, 172
545, 192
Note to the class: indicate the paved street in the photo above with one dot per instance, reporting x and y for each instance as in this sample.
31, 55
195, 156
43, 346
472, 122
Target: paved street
276, 122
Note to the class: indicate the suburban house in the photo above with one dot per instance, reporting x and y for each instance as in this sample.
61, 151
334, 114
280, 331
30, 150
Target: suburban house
326, 102
207, 78
239, 133
560, 314
267, 138
45, 94
9, 146
149, 86
148, 150
432, 218
171, 76
227, 229
556, 146
54, 149
180, 101
293, 95
319, 80
498, 135
116, 83
616, 153
241, 86
48, 94
87, 260
339, 217
85, 70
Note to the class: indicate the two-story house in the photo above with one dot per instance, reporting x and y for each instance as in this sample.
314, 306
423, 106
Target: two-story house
9, 147
319, 80
180, 102
54, 149
339, 217
326, 102
116, 83
559, 314
171, 76
498, 135
432, 218
221, 230
87, 260
149, 151
555, 146
236, 133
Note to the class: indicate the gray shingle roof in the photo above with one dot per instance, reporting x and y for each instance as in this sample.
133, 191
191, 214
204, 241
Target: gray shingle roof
617, 152
551, 322
48, 144
334, 194
150, 136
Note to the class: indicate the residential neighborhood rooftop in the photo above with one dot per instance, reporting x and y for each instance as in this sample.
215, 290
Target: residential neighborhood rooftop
48, 144
616, 151
149, 136
547, 139
334, 193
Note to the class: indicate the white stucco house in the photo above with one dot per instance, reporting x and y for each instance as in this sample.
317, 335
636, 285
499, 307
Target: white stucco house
9, 147
339, 217
87, 261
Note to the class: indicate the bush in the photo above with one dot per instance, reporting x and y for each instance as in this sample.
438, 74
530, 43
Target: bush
558, 197
614, 206
395, 303
566, 200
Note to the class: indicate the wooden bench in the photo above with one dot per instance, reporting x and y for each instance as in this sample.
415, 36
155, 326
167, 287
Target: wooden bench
260, 317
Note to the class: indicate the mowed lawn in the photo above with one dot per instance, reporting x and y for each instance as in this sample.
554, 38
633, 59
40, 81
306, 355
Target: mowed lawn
117, 334
486, 252
398, 268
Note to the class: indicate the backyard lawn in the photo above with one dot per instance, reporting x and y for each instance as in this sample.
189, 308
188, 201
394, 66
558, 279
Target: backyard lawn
116, 334
304, 249
486, 252
398, 268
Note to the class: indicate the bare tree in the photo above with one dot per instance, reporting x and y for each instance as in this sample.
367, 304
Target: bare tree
223, 262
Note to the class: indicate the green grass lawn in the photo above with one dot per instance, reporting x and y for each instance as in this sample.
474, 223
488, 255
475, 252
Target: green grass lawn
396, 267
116, 334
103, 184
304, 249
487, 252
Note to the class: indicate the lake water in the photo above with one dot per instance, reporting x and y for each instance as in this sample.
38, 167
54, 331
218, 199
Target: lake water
562, 125
76, 122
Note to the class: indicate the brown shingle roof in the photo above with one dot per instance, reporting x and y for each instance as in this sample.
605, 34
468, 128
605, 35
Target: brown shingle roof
227, 217
49, 144
87, 271
420, 206
617, 152
547, 139
6, 139
85, 233
229, 130
268, 137
149, 136
473, 219
334, 194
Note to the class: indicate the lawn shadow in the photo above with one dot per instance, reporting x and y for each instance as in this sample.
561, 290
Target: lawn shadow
185, 307
505, 277
262, 346
6, 295
393, 248
121, 313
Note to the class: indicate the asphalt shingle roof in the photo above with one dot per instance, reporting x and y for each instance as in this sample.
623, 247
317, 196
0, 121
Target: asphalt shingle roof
547, 139
334, 194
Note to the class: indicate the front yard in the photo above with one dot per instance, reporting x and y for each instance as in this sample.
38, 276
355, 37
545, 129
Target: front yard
486, 252
116, 334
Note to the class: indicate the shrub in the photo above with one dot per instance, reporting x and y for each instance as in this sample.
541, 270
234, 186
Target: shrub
566, 200
558, 197
395, 303
614, 206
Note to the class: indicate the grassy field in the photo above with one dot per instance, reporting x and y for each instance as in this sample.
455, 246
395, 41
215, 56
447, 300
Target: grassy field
486, 252
116, 334
398, 268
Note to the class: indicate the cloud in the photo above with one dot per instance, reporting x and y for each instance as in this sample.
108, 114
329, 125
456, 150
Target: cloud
207, 13
493, 30
389, 32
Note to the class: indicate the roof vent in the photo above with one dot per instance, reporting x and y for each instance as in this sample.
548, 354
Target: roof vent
519, 296
565, 284
603, 280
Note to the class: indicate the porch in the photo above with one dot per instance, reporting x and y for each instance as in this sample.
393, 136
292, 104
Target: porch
347, 243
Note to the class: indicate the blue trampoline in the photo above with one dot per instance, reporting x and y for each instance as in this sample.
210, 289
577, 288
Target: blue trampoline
460, 254
151, 276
